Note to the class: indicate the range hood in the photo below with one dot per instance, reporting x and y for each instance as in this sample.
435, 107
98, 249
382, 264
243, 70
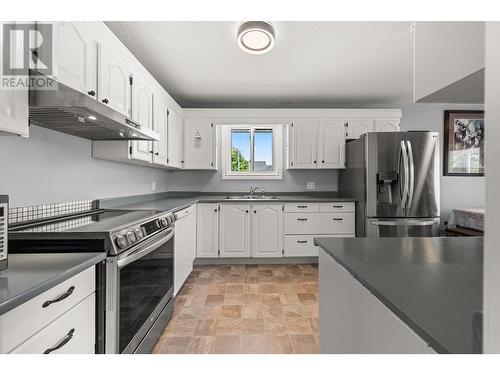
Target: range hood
69, 111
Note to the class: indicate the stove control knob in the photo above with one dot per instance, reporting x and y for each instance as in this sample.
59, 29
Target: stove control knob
164, 222
121, 241
131, 237
139, 234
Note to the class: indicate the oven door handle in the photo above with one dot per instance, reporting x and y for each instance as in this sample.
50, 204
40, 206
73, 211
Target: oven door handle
142, 251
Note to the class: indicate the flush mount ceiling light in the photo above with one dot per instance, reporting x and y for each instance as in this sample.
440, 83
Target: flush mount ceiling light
256, 37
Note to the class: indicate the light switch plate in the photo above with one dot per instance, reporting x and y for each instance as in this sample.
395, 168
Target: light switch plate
311, 185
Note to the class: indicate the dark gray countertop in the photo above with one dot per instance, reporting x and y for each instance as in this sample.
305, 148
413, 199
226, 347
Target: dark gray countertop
433, 284
172, 202
29, 275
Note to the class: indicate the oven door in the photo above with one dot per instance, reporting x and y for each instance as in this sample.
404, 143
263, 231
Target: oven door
140, 285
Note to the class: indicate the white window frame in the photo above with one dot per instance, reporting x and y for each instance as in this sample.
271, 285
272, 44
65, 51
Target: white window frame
275, 174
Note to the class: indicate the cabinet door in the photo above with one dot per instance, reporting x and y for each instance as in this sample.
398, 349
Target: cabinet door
355, 128
207, 234
75, 57
113, 80
142, 113
303, 145
199, 144
234, 230
267, 230
160, 123
174, 139
13, 103
331, 144
386, 125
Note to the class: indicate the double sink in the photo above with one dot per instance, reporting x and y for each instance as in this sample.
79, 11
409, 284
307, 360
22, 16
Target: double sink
251, 197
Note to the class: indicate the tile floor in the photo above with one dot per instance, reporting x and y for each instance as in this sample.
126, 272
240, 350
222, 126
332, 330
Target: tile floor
255, 309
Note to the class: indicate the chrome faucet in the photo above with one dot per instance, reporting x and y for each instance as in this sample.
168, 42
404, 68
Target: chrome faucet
256, 189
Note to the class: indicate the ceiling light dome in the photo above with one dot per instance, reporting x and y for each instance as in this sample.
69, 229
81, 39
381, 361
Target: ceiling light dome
256, 37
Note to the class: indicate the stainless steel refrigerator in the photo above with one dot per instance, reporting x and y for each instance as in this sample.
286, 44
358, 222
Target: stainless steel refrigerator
395, 179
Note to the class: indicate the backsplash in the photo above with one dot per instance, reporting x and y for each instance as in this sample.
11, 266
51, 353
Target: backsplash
19, 215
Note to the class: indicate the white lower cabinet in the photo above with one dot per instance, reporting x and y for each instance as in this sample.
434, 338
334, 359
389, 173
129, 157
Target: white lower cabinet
184, 246
267, 230
207, 230
72, 333
234, 231
305, 221
47, 319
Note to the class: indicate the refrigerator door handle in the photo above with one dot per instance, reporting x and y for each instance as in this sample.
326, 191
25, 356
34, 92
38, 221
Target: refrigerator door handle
403, 156
411, 181
406, 222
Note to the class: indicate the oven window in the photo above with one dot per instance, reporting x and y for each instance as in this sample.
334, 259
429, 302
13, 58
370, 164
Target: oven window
143, 284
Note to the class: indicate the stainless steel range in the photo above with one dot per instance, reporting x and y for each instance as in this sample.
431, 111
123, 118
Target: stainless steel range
136, 300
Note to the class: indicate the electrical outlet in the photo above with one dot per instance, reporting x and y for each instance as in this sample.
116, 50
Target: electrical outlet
153, 186
311, 185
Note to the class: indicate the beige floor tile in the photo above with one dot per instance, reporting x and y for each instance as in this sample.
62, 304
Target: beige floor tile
251, 288
267, 289
206, 327
234, 289
183, 327
251, 280
270, 299
201, 345
233, 299
314, 287
266, 344
310, 311
299, 325
173, 345
314, 322
195, 300
231, 311
289, 299
227, 344
265, 279
307, 298
272, 311
217, 289
251, 299
252, 326
214, 299
229, 327
292, 311
276, 326
251, 312
304, 344
234, 279
210, 312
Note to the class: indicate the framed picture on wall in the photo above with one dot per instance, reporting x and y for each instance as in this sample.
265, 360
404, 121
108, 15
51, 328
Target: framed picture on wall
463, 143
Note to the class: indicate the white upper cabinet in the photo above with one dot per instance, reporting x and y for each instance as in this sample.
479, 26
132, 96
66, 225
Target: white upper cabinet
75, 57
234, 235
142, 114
114, 79
386, 125
267, 230
174, 138
207, 230
13, 104
356, 128
331, 144
160, 125
302, 144
199, 144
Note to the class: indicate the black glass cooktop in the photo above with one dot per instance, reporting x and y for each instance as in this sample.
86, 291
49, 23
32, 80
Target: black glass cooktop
96, 221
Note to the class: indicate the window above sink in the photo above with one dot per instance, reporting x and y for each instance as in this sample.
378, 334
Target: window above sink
252, 152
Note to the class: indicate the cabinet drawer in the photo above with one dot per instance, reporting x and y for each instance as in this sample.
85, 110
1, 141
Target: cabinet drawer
74, 332
336, 223
302, 207
297, 223
300, 246
25, 320
336, 207
303, 246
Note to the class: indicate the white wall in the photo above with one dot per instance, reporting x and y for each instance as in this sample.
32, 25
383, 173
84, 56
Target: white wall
54, 167
456, 192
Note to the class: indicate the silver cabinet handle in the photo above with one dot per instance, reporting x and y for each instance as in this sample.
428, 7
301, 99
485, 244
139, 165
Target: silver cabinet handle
63, 342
